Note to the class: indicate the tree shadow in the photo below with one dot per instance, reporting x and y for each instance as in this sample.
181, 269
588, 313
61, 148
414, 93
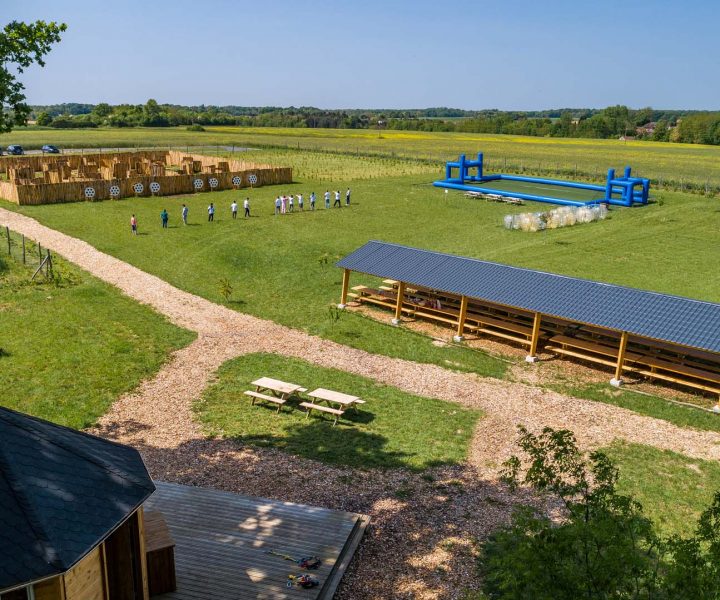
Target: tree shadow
317, 439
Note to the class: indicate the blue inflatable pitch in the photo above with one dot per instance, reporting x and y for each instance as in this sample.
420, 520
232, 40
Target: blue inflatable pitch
468, 175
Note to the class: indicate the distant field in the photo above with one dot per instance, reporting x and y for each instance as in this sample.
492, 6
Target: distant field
680, 164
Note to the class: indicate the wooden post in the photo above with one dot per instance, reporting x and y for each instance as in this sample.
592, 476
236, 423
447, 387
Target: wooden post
617, 380
532, 357
461, 319
345, 284
7, 231
23, 248
398, 303
143, 554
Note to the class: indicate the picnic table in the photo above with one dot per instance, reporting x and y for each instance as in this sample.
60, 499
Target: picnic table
330, 397
280, 390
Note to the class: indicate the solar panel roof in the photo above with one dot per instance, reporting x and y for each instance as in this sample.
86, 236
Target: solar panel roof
675, 319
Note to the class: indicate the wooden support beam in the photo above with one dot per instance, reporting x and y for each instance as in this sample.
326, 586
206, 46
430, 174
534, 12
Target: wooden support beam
535, 337
461, 318
143, 553
345, 285
617, 380
399, 302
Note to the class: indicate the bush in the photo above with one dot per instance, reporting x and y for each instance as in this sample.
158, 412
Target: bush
195, 128
604, 547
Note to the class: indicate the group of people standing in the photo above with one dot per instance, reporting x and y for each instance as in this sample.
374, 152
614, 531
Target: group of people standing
283, 205
185, 211
286, 204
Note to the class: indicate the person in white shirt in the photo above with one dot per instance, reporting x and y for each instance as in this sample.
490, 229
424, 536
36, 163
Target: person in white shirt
327, 199
211, 212
337, 199
312, 201
278, 204
246, 206
233, 208
291, 203
301, 203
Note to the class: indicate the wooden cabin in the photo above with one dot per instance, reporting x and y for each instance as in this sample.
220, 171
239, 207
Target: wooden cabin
72, 525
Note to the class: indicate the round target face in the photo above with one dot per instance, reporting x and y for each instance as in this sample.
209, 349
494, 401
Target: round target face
154, 187
89, 192
198, 183
252, 179
114, 190
138, 188
213, 182
237, 180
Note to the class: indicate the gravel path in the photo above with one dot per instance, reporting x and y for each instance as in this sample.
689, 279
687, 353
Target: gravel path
420, 537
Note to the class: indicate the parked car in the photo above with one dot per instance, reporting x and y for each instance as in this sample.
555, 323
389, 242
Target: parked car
15, 149
50, 149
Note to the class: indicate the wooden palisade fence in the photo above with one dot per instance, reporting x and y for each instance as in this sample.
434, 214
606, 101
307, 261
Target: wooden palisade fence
42, 179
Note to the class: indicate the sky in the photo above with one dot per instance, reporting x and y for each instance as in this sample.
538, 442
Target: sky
510, 55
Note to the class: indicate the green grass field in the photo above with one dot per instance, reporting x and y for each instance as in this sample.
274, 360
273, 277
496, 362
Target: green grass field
282, 268
69, 350
673, 489
680, 163
393, 428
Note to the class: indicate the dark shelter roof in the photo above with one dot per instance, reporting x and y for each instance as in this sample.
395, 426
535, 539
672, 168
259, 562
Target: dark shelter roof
653, 315
61, 493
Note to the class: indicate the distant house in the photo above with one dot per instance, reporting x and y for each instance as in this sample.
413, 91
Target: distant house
647, 129
626, 138
71, 514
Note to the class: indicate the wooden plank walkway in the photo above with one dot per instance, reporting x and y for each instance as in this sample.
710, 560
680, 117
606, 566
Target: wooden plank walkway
222, 541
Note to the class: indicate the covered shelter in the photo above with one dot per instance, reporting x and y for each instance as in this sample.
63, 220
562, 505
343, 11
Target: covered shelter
658, 336
71, 514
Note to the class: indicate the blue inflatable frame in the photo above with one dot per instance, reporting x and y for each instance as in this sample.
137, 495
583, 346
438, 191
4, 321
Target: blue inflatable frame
618, 191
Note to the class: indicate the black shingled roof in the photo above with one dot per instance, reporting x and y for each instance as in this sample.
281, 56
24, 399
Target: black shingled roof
61, 493
674, 319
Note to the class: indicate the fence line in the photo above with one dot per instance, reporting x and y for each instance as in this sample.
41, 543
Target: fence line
28, 252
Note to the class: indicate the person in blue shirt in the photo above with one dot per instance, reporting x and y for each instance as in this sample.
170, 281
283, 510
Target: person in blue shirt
164, 218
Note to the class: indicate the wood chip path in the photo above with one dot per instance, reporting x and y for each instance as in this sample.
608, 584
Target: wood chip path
420, 543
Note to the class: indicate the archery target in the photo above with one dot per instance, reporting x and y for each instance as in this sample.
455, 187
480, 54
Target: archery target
252, 179
213, 182
154, 187
138, 188
198, 183
237, 180
114, 191
89, 192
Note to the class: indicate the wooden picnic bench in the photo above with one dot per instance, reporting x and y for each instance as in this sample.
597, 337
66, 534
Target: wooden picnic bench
310, 406
280, 390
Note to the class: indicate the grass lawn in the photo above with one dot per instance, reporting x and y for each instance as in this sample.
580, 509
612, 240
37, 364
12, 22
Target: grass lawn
673, 489
393, 428
69, 350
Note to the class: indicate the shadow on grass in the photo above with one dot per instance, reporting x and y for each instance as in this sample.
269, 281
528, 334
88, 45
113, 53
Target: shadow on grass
317, 439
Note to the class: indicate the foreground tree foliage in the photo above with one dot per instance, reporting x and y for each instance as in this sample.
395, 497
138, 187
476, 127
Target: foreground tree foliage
603, 547
21, 45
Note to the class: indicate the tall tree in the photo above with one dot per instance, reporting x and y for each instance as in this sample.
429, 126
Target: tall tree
21, 45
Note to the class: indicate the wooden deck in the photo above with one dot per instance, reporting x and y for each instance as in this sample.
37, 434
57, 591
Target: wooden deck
222, 541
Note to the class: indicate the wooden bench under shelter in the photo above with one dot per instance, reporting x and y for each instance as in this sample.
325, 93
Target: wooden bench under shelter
647, 334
